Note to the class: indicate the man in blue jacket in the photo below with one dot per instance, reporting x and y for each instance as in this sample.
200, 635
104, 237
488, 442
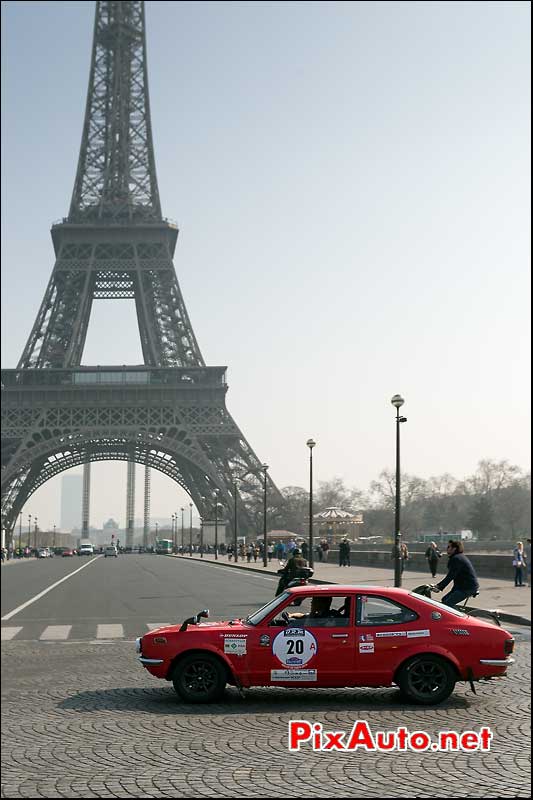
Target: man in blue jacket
461, 572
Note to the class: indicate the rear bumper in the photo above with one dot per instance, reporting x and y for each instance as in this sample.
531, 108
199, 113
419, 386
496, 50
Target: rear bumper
497, 662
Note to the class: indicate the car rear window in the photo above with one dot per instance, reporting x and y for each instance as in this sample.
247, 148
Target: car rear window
436, 603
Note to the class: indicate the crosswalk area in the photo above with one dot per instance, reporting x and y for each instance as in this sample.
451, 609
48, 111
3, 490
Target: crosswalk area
84, 631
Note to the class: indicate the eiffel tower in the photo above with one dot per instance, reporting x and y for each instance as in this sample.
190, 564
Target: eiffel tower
169, 413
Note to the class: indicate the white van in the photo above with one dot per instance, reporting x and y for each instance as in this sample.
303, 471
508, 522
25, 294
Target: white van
86, 550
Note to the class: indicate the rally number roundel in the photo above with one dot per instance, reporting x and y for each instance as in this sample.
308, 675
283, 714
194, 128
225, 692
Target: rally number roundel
294, 647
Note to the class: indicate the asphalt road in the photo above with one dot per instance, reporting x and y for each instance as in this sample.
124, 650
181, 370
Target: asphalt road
81, 718
132, 590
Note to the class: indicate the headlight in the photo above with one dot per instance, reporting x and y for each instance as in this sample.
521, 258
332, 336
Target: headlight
138, 644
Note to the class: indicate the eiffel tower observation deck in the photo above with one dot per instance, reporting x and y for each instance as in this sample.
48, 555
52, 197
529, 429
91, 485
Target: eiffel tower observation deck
168, 413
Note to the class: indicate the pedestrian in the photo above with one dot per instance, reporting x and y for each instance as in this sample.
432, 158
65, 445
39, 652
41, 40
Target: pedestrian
305, 549
519, 561
324, 544
461, 572
404, 555
433, 554
319, 551
249, 552
270, 551
344, 552
528, 561
256, 552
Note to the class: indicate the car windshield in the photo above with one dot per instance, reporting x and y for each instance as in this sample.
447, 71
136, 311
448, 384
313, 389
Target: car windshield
259, 616
438, 605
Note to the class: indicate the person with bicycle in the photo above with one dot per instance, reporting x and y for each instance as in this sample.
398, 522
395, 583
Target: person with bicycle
461, 572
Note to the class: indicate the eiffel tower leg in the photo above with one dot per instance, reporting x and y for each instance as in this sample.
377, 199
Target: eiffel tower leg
130, 504
86, 500
146, 527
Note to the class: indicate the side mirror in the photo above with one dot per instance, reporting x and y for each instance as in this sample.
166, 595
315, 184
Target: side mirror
194, 620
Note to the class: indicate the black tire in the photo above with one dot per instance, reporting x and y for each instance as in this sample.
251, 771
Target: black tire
199, 678
427, 679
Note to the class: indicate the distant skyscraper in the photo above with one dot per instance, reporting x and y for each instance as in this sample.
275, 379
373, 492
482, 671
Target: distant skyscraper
71, 495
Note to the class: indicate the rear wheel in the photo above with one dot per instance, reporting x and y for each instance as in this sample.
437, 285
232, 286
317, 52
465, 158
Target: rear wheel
427, 679
199, 678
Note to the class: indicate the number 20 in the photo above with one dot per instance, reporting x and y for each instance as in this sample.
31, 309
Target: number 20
295, 646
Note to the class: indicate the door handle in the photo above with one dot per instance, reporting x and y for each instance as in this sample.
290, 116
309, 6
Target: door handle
339, 635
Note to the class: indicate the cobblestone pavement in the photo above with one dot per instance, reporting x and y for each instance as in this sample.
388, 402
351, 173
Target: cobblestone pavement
83, 719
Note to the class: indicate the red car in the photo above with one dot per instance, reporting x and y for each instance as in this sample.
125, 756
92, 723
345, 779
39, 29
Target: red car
331, 636
67, 552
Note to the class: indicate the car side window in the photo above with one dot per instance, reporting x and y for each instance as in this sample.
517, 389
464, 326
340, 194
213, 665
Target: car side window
375, 610
334, 612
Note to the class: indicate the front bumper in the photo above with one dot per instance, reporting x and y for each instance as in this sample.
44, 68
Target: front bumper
497, 662
151, 661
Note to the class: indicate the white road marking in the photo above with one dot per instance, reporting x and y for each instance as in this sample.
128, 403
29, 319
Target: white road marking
152, 626
9, 633
55, 632
53, 586
109, 632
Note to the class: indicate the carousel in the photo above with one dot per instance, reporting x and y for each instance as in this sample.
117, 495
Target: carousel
334, 523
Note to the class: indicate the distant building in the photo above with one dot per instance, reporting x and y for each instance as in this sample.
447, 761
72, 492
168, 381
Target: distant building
110, 531
71, 495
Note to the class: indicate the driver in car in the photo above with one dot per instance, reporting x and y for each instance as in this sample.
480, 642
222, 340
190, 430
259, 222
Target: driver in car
321, 609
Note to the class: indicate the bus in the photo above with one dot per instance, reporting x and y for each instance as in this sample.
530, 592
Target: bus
164, 546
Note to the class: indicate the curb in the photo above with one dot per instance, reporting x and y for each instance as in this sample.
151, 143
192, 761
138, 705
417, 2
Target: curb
479, 612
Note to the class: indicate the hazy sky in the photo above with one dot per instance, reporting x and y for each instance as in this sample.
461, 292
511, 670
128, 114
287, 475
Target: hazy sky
351, 182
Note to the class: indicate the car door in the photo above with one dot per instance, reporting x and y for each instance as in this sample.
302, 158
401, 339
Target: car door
385, 632
309, 652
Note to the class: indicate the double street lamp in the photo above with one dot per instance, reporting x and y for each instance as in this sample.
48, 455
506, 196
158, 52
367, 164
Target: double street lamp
264, 469
190, 529
397, 401
311, 443
182, 533
217, 504
235, 556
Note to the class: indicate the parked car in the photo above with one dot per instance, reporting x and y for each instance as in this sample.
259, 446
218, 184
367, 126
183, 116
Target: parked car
86, 550
331, 636
110, 550
43, 552
67, 552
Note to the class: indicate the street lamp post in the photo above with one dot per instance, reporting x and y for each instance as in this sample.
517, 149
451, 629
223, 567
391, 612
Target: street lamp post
397, 401
35, 533
202, 535
190, 529
235, 556
173, 526
20, 534
29, 530
264, 468
156, 533
54, 536
311, 443
215, 495
182, 533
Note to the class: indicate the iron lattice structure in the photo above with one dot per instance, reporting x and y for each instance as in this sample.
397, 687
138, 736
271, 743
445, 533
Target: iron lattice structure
169, 414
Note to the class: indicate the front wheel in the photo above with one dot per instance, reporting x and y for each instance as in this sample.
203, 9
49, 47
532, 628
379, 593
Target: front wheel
427, 680
199, 678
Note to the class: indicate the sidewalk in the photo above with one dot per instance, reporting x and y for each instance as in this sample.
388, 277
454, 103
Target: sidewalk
513, 603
